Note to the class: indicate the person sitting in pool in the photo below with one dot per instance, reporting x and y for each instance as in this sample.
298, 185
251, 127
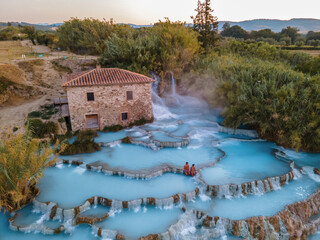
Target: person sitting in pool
186, 169
193, 170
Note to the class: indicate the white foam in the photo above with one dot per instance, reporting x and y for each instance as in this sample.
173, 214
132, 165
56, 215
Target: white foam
79, 170
204, 197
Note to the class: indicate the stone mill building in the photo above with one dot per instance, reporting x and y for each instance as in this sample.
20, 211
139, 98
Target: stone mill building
106, 97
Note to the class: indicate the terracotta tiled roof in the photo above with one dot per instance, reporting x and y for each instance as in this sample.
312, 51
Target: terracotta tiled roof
105, 76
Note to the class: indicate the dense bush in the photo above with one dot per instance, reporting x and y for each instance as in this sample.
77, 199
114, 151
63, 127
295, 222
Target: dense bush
22, 161
83, 144
113, 128
87, 135
126, 140
78, 147
140, 122
168, 46
40, 129
84, 36
282, 104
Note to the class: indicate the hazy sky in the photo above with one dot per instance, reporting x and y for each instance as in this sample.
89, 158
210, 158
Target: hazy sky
150, 11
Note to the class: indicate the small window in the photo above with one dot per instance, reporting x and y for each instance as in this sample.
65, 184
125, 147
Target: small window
129, 95
124, 116
90, 96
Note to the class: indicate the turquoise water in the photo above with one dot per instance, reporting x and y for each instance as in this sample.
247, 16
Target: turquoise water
246, 160
258, 205
133, 157
143, 221
71, 186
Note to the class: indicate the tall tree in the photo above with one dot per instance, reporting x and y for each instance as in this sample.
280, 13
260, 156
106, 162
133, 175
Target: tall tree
205, 23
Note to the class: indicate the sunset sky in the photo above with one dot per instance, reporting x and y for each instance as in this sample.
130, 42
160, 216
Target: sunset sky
150, 11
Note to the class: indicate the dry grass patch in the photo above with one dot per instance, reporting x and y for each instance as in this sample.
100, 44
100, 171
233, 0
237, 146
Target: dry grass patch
16, 50
12, 73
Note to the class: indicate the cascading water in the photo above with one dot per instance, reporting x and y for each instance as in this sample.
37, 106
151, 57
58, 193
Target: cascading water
160, 110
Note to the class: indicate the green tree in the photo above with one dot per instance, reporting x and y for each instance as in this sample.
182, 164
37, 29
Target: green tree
287, 40
264, 33
205, 24
85, 36
236, 32
30, 31
290, 32
167, 46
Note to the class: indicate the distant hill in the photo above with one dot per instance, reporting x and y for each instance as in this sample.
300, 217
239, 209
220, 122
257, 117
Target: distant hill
303, 24
40, 26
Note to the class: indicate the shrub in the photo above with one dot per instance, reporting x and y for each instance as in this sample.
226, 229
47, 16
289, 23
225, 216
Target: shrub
22, 161
113, 128
60, 68
140, 122
126, 140
84, 144
34, 114
41, 129
87, 135
77, 147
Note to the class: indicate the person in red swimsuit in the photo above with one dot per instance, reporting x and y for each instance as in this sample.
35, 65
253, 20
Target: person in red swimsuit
186, 169
193, 170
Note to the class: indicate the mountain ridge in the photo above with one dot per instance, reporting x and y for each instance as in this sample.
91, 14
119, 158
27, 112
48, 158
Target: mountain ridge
276, 25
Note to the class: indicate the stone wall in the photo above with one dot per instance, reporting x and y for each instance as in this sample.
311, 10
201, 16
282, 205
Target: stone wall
109, 102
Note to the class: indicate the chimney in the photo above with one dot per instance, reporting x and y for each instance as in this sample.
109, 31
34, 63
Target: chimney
98, 66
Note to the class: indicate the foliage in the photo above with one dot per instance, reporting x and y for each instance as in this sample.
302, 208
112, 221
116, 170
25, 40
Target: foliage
46, 112
39, 129
4, 84
168, 46
290, 32
46, 38
60, 68
257, 88
84, 36
265, 51
235, 32
113, 128
140, 122
22, 161
30, 31
83, 144
11, 33
311, 35
126, 140
87, 135
79, 147
205, 24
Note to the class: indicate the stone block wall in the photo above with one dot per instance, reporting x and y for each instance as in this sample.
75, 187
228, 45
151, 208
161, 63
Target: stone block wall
109, 102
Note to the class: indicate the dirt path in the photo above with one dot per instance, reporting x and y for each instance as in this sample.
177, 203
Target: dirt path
14, 113
16, 116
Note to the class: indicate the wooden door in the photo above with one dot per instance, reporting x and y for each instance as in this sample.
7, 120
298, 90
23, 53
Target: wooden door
92, 121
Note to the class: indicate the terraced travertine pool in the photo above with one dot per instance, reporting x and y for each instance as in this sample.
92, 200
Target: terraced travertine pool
134, 190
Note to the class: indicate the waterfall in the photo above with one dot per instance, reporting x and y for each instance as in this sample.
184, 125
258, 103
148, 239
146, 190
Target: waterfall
275, 183
160, 110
